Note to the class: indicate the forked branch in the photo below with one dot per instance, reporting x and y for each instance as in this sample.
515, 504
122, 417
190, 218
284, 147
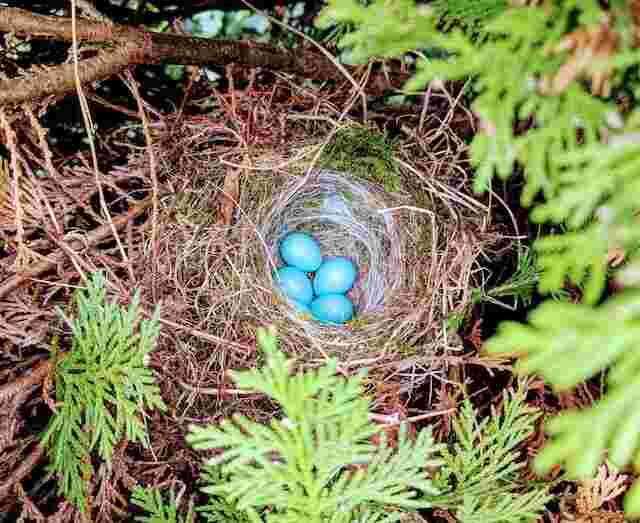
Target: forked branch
129, 46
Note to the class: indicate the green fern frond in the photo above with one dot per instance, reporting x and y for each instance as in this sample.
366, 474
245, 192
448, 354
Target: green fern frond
300, 465
103, 385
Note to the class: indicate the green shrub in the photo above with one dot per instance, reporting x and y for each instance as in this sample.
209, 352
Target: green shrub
581, 157
299, 464
317, 462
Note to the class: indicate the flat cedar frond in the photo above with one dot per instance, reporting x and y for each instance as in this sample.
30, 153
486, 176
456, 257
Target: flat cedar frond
102, 386
468, 14
219, 509
602, 178
483, 465
158, 510
567, 344
561, 145
317, 463
580, 257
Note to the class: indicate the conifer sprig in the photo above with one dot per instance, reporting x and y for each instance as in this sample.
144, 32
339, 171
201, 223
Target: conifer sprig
317, 463
157, 509
483, 465
567, 344
545, 65
102, 385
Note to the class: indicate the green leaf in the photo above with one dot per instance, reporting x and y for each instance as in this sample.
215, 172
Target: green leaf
632, 501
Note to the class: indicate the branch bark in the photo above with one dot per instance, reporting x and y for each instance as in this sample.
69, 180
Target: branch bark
60, 79
135, 46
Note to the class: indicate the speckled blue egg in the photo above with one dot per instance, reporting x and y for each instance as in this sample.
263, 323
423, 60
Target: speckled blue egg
332, 308
295, 284
301, 251
335, 276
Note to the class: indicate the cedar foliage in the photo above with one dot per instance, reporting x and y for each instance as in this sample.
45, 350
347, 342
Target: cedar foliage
558, 67
318, 462
102, 386
481, 470
298, 465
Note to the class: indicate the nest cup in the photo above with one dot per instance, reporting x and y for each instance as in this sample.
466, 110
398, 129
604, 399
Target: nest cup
348, 217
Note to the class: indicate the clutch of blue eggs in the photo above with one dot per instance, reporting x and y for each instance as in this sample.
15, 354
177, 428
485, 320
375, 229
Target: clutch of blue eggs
324, 295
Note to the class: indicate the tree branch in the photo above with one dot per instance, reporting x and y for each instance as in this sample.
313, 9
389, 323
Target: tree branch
135, 46
22, 22
60, 79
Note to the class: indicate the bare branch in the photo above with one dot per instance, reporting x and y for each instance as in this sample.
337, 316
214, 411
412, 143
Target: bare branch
20, 21
134, 46
60, 79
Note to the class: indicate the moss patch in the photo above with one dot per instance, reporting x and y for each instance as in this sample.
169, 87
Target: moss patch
365, 153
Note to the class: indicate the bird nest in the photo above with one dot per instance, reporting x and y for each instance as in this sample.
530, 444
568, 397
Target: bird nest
414, 258
400, 213
348, 217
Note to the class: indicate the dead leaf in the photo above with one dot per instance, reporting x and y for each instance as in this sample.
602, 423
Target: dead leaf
588, 505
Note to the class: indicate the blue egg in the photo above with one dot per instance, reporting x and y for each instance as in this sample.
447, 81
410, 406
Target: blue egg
332, 308
295, 284
335, 276
302, 308
301, 251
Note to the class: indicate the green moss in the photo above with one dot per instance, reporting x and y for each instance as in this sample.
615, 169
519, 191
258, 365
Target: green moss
358, 322
406, 350
364, 153
348, 196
